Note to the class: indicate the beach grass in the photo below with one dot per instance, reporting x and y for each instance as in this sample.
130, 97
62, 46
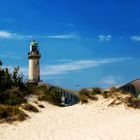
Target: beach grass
11, 113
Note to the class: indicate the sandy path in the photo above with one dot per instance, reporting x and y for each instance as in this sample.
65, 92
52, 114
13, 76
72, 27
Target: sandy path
94, 121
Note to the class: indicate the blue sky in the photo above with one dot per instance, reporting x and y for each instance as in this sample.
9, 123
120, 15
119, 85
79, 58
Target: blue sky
83, 42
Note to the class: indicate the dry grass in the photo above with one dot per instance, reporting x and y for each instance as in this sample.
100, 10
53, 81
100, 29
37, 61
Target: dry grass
133, 102
118, 97
11, 113
86, 95
41, 106
128, 99
29, 107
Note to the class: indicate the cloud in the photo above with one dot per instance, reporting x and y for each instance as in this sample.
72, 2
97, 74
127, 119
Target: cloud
135, 38
105, 38
63, 60
64, 37
110, 81
5, 34
11, 57
10, 35
77, 65
73, 66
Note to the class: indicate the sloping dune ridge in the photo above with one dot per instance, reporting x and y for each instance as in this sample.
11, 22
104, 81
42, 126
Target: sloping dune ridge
93, 121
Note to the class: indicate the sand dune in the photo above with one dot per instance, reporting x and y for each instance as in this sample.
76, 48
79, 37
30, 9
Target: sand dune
93, 121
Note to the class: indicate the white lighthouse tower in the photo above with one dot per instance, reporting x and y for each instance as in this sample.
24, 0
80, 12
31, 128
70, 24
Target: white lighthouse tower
34, 66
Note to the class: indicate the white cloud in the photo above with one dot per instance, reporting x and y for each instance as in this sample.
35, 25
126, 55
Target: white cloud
64, 36
77, 65
105, 38
5, 34
135, 38
10, 35
60, 69
8, 56
63, 60
109, 81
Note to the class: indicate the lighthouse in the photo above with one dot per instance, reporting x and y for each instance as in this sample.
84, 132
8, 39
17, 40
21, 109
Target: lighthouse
34, 66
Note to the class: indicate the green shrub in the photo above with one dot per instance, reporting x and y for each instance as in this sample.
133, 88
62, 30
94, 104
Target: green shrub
13, 89
9, 80
52, 94
29, 107
11, 113
13, 96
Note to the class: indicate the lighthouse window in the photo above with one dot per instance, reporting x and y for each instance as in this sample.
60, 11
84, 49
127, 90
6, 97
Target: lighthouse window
38, 62
34, 48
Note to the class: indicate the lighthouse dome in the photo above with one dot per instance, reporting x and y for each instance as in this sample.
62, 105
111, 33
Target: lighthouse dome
34, 43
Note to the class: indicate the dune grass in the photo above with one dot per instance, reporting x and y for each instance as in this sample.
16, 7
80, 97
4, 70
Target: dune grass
49, 94
29, 107
11, 113
120, 97
86, 95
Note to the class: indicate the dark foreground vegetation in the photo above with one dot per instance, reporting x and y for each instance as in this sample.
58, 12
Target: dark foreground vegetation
49, 94
14, 92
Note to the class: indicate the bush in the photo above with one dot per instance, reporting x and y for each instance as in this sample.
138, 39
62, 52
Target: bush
86, 94
111, 92
9, 80
12, 88
96, 91
133, 102
29, 107
12, 96
11, 113
52, 94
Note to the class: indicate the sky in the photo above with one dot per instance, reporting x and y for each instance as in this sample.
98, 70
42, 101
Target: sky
83, 43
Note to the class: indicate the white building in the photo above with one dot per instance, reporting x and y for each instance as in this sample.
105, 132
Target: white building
34, 66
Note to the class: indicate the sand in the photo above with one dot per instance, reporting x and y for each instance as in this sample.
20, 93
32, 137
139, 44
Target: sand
93, 121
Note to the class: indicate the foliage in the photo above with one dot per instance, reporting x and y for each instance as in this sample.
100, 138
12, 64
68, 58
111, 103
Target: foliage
13, 96
50, 94
29, 107
86, 94
111, 92
12, 87
96, 91
13, 91
9, 80
133, 102
11, 113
